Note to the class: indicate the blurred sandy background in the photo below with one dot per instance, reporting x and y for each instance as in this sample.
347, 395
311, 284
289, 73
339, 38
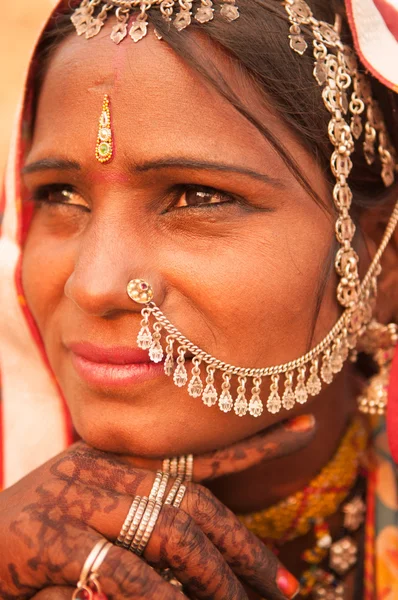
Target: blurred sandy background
19, 25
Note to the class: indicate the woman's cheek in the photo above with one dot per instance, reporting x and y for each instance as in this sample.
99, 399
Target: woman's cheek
47, 262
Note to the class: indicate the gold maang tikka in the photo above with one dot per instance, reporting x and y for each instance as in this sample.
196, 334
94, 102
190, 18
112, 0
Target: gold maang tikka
104, 145
354, 117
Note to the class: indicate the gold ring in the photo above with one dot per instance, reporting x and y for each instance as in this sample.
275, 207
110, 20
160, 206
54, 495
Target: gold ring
91, 560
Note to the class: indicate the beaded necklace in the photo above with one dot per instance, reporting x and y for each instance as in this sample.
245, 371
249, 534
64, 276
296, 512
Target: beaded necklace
308, 510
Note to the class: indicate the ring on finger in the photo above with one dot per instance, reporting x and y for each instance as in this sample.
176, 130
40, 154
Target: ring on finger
148, 520
88, 583
136, 511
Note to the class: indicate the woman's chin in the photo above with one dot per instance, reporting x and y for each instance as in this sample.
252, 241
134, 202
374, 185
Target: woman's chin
156, 432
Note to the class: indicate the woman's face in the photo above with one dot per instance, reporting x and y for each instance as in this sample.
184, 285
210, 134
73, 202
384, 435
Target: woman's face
196, 202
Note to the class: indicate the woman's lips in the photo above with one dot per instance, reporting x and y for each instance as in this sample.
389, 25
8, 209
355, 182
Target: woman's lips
116, 366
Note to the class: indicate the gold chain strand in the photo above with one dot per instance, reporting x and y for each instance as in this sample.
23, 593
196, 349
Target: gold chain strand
303, 360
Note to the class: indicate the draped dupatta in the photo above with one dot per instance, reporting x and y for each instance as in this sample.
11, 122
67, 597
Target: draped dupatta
34, 419
35, 423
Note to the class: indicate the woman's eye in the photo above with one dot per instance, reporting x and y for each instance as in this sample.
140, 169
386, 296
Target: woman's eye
196, 196
60, 194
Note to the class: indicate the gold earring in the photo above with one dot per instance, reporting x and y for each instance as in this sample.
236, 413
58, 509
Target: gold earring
379, 341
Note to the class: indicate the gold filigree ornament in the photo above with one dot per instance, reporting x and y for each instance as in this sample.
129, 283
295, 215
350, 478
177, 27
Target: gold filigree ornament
379, 341
347, 96
104, 145
90, 16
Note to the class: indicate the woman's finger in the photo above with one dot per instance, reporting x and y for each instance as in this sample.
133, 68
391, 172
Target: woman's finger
122, 574
194, 560
55, 593
176, 541
280, 440
246, 555
180, 543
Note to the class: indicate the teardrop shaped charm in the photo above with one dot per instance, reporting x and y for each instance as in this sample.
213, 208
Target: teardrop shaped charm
169, 365
119, 32
180, 376
356, 126
241, 405
301, 393
156, 352
255, 406
314, 384
195, 387
336, 360
144, 338
138, 30
210, 395
274, 403
225, 401
326, 369
169, 360
288, 398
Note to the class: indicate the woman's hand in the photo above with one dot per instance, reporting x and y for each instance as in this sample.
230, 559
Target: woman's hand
51, 519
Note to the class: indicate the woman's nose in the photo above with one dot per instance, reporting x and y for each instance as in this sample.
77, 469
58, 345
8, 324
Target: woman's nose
105, 263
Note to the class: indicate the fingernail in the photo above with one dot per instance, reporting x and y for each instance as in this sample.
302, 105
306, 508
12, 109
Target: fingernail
301, 423
288, 585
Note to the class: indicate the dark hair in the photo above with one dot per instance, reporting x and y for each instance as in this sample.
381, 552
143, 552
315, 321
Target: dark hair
257, 42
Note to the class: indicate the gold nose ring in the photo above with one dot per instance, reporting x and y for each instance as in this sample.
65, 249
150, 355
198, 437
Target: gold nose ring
140, 291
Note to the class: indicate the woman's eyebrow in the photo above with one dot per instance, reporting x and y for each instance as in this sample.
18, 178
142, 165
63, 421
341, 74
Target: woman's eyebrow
186, 163
46, 164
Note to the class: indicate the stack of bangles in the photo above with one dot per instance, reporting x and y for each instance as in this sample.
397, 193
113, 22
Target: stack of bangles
138, 525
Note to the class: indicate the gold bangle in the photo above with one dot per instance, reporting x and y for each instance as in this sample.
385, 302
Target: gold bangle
181, 466
156, 485
173, 491
149, 528
162, 487
143, 501
155, 497
180, 496
166, 465
142, 526
174, 467
128, 521
189, 468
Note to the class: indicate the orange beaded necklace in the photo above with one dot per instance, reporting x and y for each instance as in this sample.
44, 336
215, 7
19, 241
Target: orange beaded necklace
309, 508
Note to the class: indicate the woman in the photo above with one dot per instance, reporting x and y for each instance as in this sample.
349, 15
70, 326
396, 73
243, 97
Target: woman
175, 207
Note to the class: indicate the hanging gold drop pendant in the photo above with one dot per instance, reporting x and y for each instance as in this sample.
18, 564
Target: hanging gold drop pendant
104, 147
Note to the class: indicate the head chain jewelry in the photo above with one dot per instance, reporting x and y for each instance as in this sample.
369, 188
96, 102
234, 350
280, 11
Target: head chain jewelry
345, 92
91, 15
